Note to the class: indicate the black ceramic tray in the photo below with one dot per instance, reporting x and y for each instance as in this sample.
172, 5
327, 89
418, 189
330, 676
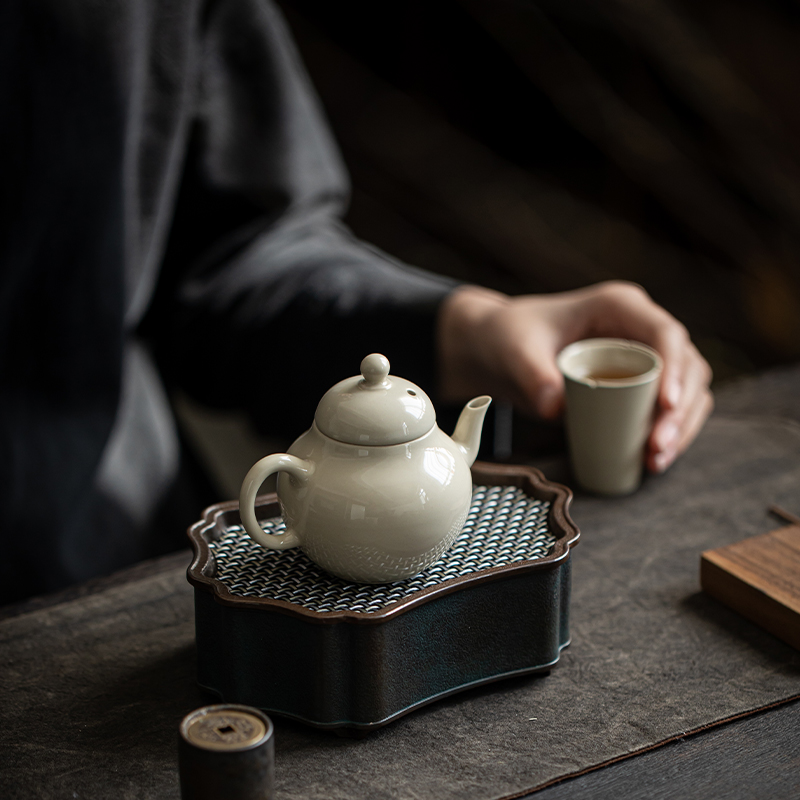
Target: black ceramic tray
276, 632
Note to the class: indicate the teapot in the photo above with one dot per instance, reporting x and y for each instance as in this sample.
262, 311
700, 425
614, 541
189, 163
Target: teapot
374, 491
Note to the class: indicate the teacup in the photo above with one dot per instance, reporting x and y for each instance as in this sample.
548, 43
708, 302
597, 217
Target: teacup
611, 387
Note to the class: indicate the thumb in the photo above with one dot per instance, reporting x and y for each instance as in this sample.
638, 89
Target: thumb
542, 384
550, 400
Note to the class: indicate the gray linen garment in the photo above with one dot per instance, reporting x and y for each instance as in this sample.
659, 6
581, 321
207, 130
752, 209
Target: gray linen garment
171, 203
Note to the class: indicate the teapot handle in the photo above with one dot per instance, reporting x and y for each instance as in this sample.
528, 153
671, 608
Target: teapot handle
259, 472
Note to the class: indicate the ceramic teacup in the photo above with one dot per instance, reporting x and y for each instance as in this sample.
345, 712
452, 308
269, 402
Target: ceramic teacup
611, 387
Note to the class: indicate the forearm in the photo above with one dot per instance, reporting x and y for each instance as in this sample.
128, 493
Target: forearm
300, 306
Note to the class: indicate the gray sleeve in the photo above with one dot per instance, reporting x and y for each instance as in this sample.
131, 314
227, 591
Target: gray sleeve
264, 284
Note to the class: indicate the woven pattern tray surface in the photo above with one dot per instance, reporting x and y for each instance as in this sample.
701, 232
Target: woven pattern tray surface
504, 526
276, 632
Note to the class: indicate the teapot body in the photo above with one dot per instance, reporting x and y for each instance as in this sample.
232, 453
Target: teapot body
376, 514
373, 492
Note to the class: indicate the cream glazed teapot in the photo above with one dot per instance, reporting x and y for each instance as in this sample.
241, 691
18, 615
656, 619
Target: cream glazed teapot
374, 491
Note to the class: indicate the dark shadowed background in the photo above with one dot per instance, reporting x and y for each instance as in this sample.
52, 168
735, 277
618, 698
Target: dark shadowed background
543, 146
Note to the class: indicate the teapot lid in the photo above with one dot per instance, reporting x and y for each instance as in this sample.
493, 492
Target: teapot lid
375, 408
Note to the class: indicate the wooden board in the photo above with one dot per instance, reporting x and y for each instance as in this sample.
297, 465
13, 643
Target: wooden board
759, 578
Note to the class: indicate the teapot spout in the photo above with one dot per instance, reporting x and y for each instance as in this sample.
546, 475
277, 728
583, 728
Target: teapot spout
467, 434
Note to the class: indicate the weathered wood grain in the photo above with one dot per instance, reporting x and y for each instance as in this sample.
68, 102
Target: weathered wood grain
760, 578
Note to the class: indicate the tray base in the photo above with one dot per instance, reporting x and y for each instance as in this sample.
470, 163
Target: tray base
350, 657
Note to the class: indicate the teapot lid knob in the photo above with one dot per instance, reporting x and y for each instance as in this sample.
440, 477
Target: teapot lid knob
375, 369
375, 408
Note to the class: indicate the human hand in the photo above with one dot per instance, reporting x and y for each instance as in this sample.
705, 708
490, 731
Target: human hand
507, 346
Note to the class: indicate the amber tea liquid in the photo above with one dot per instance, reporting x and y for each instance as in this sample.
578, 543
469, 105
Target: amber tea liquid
612, 374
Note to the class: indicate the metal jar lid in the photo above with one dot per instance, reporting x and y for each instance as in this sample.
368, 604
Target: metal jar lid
226, 751
225, 728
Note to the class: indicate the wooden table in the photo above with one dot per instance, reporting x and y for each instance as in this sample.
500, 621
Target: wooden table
756, 756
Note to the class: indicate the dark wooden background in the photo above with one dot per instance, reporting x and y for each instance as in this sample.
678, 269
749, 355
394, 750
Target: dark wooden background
544, 146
